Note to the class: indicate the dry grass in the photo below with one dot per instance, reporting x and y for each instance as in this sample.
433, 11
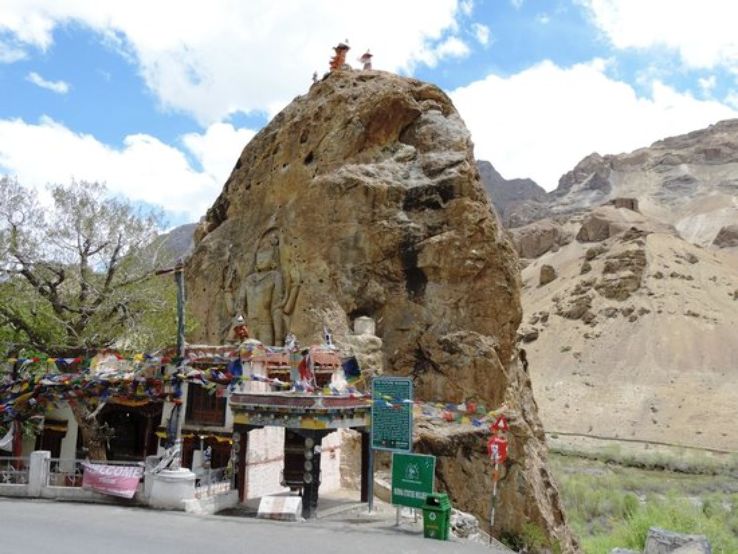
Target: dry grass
610, 505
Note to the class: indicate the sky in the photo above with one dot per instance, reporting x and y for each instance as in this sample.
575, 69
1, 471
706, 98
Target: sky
158, 98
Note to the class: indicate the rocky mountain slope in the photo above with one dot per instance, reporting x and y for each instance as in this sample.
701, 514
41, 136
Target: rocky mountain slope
177, 243
689, 181
363, 198
636, 336
517, 201
631, 307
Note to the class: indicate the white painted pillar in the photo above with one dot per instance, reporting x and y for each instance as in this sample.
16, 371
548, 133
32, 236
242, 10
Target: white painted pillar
38, 472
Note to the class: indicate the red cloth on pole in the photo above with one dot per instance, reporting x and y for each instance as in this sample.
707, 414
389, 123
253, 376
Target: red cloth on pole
497, 447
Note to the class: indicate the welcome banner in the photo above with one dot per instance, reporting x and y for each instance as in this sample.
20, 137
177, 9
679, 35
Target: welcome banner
119, 481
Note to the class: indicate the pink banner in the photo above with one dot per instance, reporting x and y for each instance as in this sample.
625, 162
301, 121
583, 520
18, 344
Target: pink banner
114, 480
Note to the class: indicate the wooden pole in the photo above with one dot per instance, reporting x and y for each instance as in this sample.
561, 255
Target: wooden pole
17, 445
179, 279
495, 477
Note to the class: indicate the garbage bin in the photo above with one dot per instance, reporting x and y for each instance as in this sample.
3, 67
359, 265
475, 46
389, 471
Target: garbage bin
436, 516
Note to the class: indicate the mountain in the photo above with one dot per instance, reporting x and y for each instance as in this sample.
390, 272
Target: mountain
175, 244
689, 181
630, 294
180, 241
516, 201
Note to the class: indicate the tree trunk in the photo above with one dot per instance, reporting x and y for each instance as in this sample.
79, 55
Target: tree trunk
93, 437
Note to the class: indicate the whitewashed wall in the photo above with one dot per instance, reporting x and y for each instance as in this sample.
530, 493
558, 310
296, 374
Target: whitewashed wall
264, 462
330, 463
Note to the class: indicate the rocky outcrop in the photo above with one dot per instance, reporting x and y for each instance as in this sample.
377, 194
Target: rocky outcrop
535, 239
461, 458
548, 274
727, 237
591, 175
662, 541
639, 321
622, 272
627, 203
362, 198
607, 221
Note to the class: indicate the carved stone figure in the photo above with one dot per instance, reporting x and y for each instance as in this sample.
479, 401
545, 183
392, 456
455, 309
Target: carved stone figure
267, 295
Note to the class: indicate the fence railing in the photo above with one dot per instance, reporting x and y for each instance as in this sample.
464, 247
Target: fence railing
212, 481
69, 472
14, 471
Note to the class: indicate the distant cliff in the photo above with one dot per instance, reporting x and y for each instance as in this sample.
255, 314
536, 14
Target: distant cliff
516, 201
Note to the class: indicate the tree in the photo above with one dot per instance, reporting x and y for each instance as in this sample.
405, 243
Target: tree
76, 275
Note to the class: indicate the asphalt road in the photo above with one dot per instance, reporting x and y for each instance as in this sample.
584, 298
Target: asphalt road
69, 528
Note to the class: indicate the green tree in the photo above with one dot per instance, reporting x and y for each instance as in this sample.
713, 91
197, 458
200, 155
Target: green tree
77, 275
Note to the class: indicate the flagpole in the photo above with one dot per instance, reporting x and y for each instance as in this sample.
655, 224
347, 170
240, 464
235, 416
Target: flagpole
179, 280
17, 447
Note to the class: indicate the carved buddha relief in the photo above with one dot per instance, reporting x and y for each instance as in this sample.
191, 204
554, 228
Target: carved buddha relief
268, 293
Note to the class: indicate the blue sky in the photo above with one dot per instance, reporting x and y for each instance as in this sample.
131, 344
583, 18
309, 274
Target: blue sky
158, 99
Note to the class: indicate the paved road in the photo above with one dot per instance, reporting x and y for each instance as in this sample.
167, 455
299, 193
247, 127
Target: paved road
68, 528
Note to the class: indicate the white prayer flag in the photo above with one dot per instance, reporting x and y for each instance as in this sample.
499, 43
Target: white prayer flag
6, 443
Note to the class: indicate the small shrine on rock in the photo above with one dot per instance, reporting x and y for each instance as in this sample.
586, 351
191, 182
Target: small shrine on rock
338, 61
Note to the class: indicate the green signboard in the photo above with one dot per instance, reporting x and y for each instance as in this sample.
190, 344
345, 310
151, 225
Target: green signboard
412, 478
392, 413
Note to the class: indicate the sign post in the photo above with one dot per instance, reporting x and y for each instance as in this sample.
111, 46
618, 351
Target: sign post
392, 414
392, 420
413, 476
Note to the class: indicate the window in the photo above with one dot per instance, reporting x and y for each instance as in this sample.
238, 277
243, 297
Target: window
204, 408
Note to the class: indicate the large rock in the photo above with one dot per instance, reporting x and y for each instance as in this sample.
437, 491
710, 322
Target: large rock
727, 237
535, 239
548, 274
662, 541
462, 466
362, 198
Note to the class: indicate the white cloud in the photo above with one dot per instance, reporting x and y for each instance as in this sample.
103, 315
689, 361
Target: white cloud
218, 148
11, 54
235, 56
540, 122
143, 169
543, 18
481, 32
517, 4
732, 99
452, 47
707, 84
59, 87
702, 32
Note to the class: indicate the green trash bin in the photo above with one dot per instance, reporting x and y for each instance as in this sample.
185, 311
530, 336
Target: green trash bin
436, 516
